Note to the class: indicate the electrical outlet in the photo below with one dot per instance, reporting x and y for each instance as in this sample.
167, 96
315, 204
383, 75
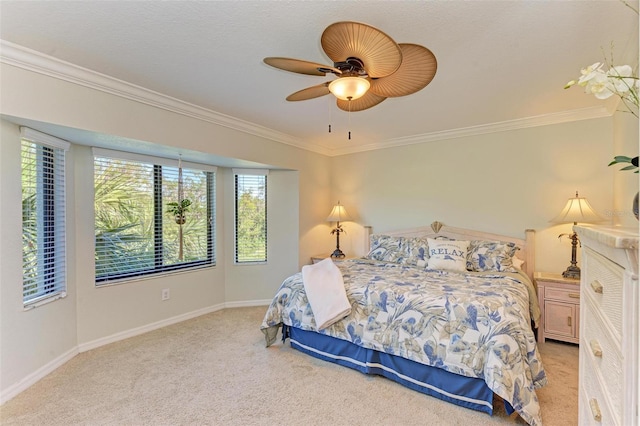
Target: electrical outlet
165, 294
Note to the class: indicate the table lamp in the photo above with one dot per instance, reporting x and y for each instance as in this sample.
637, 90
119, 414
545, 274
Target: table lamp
338, 213
576, 210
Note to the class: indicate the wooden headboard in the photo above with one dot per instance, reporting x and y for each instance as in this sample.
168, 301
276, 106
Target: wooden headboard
526, 246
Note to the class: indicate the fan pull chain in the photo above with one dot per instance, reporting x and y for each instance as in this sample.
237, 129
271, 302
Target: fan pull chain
349, 118
329, 109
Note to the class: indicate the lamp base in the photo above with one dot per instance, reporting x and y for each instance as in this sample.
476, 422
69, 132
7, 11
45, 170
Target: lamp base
572, 272
337, 253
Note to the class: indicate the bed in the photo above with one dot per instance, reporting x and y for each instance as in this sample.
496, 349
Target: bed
446, 311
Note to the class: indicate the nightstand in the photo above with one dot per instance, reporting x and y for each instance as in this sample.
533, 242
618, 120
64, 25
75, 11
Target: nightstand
320, 257
559, 300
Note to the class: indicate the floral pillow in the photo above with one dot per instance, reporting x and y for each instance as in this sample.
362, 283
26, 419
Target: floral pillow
418, 252
491, 256
448, 254
388, 249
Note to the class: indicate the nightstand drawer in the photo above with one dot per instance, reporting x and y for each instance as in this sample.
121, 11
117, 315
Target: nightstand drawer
603, 284
571, 296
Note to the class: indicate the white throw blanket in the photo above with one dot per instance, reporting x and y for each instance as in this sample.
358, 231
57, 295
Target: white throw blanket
325, 291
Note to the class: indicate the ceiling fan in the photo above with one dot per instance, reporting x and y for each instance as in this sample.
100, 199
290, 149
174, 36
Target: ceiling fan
369, 66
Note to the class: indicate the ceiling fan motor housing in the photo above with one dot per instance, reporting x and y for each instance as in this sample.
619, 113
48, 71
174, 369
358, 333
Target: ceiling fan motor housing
352, 67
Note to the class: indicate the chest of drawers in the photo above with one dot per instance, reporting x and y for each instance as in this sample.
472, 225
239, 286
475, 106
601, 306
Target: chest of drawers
609, 327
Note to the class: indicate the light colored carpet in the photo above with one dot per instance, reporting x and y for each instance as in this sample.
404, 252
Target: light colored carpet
215, 370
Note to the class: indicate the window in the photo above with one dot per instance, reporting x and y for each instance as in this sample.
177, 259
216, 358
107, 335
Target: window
43, 218
137, 229
251, 215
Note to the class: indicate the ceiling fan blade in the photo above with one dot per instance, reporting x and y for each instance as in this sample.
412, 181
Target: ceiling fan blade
300, 66
367, 101
418, 68
310, 92
378, 52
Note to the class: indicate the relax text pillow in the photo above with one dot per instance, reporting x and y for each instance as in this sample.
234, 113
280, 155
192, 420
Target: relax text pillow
448, 254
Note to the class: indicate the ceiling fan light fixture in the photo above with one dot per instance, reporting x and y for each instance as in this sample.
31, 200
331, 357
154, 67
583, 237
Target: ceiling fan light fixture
349, 88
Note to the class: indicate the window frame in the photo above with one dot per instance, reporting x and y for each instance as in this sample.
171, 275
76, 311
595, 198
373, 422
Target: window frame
51, 219
250, 172
158, 268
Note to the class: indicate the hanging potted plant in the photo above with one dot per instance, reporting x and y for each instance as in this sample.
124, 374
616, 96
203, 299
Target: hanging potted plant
178, 210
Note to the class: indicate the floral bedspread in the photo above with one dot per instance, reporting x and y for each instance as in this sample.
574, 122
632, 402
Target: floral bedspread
471, 324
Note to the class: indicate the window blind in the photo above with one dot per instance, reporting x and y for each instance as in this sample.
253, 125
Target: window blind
43, 217
135, 233
250, 215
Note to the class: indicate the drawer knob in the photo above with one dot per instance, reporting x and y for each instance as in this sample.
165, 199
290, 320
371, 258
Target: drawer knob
595, 409
596, 349
596, 286
574, 295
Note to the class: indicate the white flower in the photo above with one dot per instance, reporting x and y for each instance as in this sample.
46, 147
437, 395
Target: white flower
599, 85
621, 78
618, 80
590, 72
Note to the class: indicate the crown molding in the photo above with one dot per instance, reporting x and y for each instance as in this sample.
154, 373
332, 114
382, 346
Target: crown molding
522, 123
31, 60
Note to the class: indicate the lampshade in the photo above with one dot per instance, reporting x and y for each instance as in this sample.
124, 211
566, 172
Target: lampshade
338, 214
349, 88
577, 210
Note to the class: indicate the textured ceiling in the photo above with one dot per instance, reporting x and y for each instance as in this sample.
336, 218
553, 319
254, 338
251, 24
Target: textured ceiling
498, 61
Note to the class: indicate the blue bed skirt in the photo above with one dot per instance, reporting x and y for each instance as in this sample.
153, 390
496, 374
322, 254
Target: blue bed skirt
468, 392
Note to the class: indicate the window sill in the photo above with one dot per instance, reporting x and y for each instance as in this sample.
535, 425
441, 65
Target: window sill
45, 300
110, 283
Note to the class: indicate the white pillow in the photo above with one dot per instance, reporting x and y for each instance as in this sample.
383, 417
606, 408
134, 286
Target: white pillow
448, 254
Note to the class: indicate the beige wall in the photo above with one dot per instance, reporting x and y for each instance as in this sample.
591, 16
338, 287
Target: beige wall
502, 182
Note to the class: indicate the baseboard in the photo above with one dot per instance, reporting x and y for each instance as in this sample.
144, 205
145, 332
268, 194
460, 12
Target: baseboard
37, 375
248, 303
84, 347
31, 379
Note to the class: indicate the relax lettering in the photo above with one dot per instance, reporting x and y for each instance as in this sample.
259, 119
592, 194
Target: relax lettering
446, 251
